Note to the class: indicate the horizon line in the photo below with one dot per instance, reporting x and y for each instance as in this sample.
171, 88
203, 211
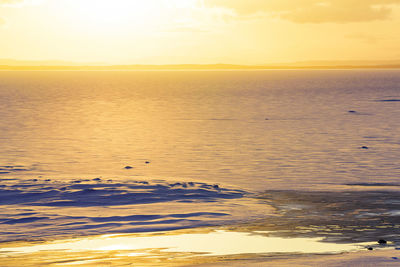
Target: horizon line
217, 66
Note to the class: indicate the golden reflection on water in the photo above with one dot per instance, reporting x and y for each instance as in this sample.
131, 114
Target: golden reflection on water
178, 246
192, 125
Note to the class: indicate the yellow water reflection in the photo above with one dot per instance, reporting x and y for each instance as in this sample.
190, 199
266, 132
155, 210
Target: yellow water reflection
194, 243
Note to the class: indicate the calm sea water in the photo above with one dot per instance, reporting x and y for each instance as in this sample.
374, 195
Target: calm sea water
201, 144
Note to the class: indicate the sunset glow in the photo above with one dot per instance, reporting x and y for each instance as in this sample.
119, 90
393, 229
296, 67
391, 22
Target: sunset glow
199, 133
199, 31
106, 15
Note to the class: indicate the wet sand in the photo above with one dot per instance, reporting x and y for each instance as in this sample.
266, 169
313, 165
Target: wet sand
387, 257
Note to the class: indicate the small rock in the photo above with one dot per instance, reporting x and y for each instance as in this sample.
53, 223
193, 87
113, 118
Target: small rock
128, 167
364, 147
370, 248
216, 186
97, 179
382, 241
395, 258
88, 190
147, 162
352, 111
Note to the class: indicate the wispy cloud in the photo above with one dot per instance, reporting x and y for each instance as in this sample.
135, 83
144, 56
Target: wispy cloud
19, 3
16, 4
11, 3
366, 38
199, 19
313, 11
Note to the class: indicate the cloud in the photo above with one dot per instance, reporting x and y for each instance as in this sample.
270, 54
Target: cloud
183, 29
16, 4
313, 11
10, 2
19, 3
7, 3
366, 38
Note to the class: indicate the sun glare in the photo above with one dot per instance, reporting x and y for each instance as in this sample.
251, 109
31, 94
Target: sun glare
103, 14
112, 13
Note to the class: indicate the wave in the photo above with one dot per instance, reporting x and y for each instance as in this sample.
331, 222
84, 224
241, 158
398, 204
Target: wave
42, 208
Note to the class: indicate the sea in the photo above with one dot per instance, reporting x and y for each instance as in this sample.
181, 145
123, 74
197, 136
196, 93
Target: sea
297, 153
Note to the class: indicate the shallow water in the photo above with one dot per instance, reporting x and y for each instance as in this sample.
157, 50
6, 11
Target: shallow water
175, 248
204, 146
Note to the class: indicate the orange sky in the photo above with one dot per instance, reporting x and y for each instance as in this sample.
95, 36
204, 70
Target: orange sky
199, 31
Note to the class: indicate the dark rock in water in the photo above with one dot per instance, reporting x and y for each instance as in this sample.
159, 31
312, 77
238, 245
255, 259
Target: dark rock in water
370, 248
395, 258
88, 190
216, 186
389, 100
147, 162
97, 179
382, 241
352, 111
364, 147
128, 167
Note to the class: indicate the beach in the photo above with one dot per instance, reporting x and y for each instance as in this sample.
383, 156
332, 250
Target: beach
376, 258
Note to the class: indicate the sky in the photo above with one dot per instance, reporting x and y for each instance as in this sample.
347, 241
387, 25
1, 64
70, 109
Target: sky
248, 32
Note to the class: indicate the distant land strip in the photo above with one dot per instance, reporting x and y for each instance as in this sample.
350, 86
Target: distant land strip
193, 67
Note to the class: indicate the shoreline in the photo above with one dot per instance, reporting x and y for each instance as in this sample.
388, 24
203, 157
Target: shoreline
194, 247
383, 257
